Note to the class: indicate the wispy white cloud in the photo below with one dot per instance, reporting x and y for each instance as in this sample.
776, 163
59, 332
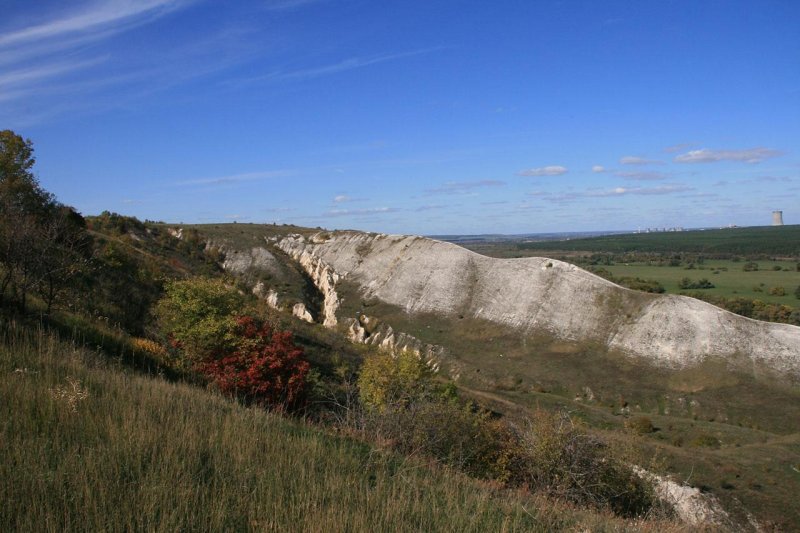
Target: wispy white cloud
661, 190
289, 5
237, 178
336, 213
431, 207
551, 170
41, 62
641, 191
96, 17
633, 160
678, 147
774, 179
598, 169
749, 155
341, 198
460, 187
328, 70
641, 176
27, 75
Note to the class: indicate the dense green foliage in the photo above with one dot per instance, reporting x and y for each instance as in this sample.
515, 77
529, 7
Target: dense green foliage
198, 316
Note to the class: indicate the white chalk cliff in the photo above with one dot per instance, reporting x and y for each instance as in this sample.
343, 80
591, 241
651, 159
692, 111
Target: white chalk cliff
537, 295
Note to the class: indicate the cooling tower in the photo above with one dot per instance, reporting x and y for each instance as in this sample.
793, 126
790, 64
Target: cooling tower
777, 218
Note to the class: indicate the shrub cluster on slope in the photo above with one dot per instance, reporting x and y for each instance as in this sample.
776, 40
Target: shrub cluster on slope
549, 452
86, 445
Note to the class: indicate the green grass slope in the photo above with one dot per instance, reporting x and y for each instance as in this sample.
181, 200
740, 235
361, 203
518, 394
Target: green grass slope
88, 445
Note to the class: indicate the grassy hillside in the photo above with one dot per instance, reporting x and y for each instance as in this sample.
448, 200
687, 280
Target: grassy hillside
89, 445
781, 241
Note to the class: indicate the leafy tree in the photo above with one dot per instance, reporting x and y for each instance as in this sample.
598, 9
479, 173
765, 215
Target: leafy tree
198, 316
65, 250
41, 241
18, 186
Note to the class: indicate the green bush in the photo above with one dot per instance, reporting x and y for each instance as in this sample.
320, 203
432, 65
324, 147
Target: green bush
197, 315
702, 283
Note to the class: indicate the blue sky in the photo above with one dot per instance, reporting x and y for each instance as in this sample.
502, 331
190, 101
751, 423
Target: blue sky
411, 116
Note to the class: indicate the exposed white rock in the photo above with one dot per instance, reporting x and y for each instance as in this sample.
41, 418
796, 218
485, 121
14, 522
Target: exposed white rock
369, 330
689, 504
240, 262
299, 310
270, 296
536, 295
177, 233
323, 276
272, 299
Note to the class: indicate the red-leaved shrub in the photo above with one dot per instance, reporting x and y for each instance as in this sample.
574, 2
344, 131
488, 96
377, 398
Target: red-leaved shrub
265, 367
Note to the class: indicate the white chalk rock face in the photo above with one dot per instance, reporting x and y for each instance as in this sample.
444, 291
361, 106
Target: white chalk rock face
299, 310
538, 295
239, 262
323, 276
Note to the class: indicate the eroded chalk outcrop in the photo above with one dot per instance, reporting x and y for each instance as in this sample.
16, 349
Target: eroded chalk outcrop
689, 504
323, 276
299, 310
372, 331
242, 262
538, 295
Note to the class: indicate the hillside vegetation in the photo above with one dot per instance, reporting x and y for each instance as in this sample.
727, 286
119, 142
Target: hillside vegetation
89, 445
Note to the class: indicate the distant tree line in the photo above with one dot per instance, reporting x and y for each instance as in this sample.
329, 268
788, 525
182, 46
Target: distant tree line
755, 242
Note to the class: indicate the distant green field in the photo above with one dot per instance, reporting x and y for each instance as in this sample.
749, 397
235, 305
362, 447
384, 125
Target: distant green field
783, 241
730, 283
